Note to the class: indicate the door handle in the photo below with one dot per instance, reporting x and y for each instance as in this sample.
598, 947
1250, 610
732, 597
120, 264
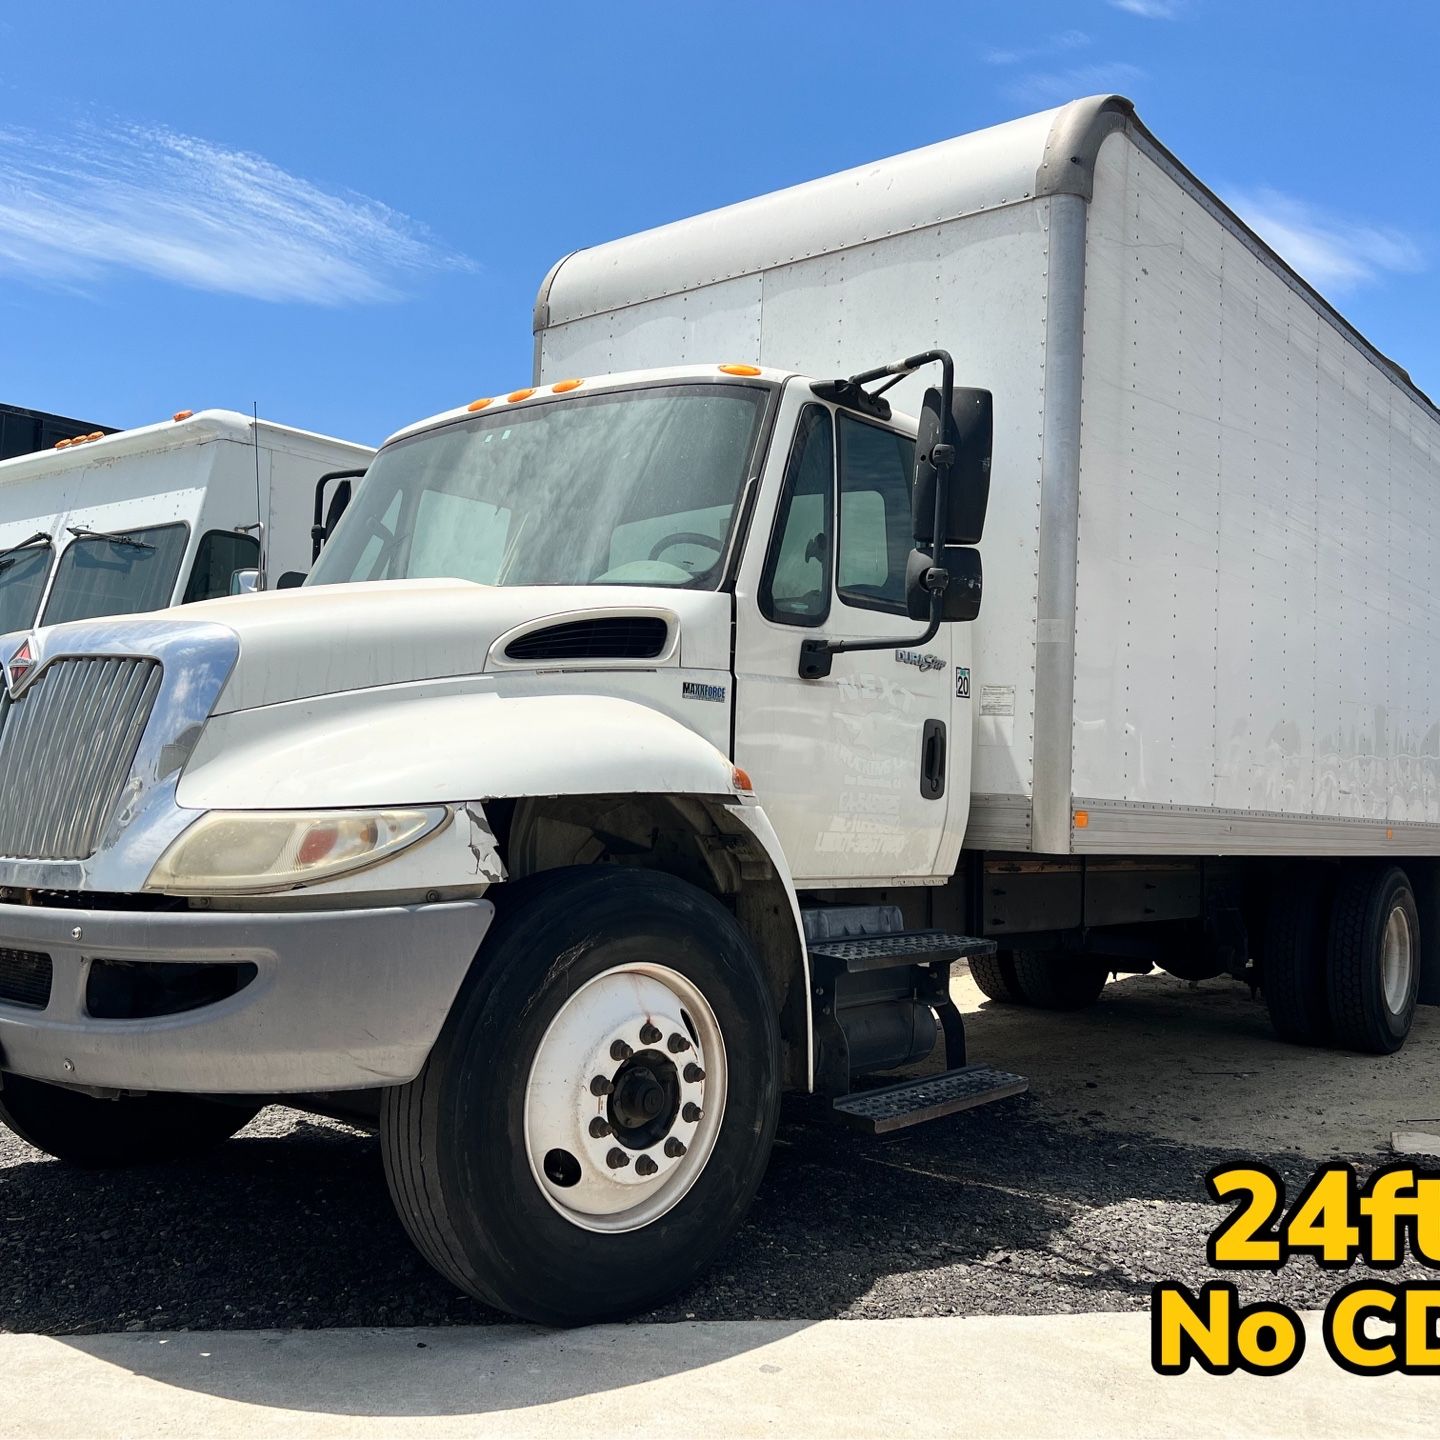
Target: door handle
932, 760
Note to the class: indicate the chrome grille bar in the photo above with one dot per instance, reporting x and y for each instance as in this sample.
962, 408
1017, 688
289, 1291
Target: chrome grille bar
67, 743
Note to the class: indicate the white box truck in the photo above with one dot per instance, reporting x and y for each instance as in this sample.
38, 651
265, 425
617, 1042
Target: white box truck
634, 752
112, 523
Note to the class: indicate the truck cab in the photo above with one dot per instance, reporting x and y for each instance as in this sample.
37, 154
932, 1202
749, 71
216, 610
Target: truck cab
527, 825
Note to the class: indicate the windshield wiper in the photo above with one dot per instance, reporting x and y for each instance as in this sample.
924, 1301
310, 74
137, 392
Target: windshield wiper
80, 533
38, 538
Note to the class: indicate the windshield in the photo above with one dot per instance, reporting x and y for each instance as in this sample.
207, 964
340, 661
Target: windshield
121, 574
22, 581
633, 487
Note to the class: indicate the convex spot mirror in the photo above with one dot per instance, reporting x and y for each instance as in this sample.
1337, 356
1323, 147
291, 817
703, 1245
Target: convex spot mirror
962, 594
970, 429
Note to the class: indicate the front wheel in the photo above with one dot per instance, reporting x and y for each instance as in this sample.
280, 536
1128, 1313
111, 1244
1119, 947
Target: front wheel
598, 1111
130, 1130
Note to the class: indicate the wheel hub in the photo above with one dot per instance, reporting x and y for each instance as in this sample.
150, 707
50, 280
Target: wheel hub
625, 1097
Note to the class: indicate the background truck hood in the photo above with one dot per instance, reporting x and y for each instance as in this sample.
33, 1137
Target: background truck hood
295, 644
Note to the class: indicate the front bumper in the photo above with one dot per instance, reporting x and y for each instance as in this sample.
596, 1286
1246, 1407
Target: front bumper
342, 999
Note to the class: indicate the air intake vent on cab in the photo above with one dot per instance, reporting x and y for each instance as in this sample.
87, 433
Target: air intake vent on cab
607, 637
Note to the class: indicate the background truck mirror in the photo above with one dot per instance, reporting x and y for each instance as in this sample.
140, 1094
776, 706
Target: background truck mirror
969, 429
290, 580
962, 592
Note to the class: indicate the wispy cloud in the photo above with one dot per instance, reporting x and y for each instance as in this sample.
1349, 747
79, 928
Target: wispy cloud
1052, 45
1053, 87
1335, 252
77, 206
1151, 9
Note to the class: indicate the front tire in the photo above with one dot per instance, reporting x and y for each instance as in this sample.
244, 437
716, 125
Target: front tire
517, 1172
132, 1130
1373, 965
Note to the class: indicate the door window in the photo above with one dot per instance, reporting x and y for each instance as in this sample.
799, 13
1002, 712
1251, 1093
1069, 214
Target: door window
876, 531
796, 587
218, 556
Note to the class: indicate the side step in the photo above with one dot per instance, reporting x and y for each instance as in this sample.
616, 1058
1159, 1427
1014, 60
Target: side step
884, 952
893, 1107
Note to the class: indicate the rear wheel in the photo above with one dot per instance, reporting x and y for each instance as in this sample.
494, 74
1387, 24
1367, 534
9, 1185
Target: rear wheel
1055, 980
131, 1130
995, 975
1292, 971
1373, 962
598, 1111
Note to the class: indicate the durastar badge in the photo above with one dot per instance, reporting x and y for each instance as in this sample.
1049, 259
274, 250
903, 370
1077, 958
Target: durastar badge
19, 665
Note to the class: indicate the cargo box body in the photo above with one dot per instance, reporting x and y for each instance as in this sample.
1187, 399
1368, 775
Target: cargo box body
1209, 623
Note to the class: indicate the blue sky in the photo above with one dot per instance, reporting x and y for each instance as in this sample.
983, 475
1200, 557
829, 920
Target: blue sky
343, 210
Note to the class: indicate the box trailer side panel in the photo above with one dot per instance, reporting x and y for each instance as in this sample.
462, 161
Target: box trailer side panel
1256, 636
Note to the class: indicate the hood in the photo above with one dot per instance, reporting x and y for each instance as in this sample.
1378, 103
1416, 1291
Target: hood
296, 644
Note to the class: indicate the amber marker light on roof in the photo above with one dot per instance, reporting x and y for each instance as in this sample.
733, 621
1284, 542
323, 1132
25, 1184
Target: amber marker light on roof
63, 444
96, 435
739, 369
478, 404
561, 387
521, 394
182, 415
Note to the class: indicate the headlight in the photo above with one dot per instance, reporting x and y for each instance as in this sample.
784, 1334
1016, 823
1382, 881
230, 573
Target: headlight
236, 851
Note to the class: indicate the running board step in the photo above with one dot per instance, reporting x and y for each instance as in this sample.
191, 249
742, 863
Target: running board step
907, 947
911, 1102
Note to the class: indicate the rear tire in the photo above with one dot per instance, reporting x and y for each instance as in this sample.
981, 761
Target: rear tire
995, 975
558, 1237
132, 1130
1293, 963
1055, 980
1373, 963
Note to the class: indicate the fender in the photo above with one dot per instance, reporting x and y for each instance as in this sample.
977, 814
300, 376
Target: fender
393, 747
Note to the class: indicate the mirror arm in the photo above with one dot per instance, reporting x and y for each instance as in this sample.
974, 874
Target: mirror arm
816, 656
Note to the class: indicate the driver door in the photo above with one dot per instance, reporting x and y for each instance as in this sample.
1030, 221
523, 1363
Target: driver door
845, 766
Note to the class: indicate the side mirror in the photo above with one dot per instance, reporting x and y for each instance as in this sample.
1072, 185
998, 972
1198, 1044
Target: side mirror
244, 582
962, 593
290, 580
969, 429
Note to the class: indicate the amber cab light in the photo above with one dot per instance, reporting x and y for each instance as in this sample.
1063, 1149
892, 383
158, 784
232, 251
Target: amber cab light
562, 387
521, 394
739, 369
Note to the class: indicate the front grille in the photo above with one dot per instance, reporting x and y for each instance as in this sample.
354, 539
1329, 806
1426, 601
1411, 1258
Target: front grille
66, 747
25, 978
607, 637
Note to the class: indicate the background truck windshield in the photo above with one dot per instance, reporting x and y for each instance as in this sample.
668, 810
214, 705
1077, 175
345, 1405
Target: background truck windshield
22, 581
634, 487
98, 576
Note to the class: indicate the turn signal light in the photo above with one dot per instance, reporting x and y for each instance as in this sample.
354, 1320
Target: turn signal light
741, 778
521, 394
561, 386
739, 369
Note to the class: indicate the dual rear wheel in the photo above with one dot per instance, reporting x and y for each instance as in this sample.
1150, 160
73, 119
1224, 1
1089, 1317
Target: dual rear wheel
1340, 963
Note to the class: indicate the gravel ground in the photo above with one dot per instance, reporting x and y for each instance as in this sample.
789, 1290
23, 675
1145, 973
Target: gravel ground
1076, 1197
998, 1211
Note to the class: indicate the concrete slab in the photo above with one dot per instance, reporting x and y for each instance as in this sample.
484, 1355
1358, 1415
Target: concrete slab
1063, 1375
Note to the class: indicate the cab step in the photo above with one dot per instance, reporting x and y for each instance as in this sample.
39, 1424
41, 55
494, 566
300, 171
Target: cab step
852, 954
911, 1102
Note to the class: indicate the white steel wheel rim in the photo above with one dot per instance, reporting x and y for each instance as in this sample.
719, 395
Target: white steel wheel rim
1397, 960
574, 1127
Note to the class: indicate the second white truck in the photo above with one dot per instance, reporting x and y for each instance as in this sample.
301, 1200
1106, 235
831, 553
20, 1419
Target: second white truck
634, 752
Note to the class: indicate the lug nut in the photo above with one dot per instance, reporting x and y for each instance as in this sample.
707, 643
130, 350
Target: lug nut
673, 1148
677, 1044
599, 1128
617, 1159
694, 1074
692, 1114
600, 1086
645, 1166
649, 1034
620, 1051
